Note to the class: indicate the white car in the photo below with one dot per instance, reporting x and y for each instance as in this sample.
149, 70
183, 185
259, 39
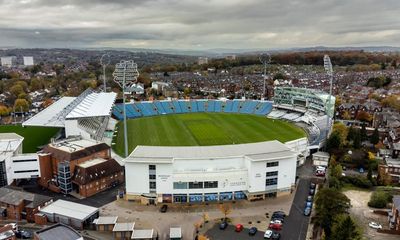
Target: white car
276, 221
375, 225
268, 234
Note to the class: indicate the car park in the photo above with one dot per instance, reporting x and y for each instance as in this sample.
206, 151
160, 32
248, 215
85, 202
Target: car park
307, 211
375, 225
253, 231
164, 208
238, 227
223, 225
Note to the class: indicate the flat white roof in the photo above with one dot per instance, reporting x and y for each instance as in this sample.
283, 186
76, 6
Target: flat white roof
123, 227
254, 151
70, 209
73, 145
10, 142
175, 232
91, 163
47, 117
142, 234
94, 105
105, 220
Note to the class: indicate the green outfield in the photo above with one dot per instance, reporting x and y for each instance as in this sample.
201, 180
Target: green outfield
34, 137
202, 129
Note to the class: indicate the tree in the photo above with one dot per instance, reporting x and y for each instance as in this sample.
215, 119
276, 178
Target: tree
16, 90
329, 203
379, 199
225, 209
35, 85
392, 101
345, 228
357, 139
4, 110
363, 132
375, 137
333, 143
346, 115
364, 116
21, 104
342, 130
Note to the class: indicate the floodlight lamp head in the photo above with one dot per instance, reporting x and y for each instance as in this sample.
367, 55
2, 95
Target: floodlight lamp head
265, 58
125, 73
105, 59
328, 65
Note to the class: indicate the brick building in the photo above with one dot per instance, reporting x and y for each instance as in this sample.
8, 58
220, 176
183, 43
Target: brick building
90, 160
16, 204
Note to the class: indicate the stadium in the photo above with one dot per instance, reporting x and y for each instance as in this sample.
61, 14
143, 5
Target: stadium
201, 150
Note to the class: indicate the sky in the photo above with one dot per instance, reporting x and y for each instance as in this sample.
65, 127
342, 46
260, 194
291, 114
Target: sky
200, 24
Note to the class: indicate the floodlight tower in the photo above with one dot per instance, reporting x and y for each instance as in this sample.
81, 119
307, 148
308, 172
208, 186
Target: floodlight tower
329, 72
104, 61
125, 74
265, 58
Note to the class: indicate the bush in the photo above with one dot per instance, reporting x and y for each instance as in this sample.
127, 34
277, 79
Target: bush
379, 199
358, 181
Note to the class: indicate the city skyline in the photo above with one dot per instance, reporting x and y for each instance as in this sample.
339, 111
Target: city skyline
199, 25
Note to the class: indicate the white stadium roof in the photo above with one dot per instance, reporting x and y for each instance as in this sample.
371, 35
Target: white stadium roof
255, 151
88, 104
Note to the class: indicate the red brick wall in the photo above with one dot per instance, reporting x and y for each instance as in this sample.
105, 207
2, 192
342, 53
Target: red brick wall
99, 185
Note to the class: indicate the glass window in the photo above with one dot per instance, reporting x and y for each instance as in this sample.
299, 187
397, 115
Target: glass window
180, 185
152, 167
152, 185
272, 164
271, 181
270, 174
152, 176
211, 184
195, 185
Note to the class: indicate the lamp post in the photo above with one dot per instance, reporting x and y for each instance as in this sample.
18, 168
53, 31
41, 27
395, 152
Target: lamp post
329, 72
104, 61
265, 58
125, 74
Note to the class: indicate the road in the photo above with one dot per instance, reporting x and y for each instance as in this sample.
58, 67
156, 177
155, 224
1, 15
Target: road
296, 224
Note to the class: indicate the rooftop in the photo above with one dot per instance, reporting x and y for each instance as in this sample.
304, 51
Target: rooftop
254, 151
396, 201
91, 172
7, 235
175, 232
9, 142
58, 231
94, 105
105, 220
15, 197
123, 227
142, 234
70, 209
91, 163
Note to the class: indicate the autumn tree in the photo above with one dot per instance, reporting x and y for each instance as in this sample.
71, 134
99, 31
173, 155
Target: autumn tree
21, 104
225, 209
364, 116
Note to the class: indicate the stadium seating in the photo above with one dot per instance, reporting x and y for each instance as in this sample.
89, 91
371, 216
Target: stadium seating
149, 108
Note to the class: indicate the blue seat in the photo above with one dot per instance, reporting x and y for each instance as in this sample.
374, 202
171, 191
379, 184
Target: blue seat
211, 106
183, 106
177, 107
218, 106
200, 105
228, 106
193, 106
160, 108
235, 106
167, 105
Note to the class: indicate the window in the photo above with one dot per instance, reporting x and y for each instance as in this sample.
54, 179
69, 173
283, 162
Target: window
180, 185
270, 174
152, 167
25, 160
213, 184
272, 164
153, 185
152, 176
195, 185
25, 171
271, 181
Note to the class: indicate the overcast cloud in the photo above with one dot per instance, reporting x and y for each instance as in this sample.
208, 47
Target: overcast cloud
199, 24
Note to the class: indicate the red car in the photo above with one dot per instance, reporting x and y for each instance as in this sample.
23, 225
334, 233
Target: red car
275, 226
320, 173
238, 227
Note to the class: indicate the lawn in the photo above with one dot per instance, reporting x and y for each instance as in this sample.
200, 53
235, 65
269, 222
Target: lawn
202, 129
33, 136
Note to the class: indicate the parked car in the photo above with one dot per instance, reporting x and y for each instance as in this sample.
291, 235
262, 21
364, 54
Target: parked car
276, 236
312, 191
375, 225
276, 221
307, 211
308, 204
23, 234
238, 227
223, 225
164, 208
361, 170
312, 186
320, 173
309, 198
344, 168
275, 226
253, 231
281, 213
277, 217
268, 234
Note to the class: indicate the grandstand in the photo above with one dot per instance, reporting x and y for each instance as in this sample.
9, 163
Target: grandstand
152, 108
87, 115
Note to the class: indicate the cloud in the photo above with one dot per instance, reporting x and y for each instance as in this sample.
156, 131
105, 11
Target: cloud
206, 24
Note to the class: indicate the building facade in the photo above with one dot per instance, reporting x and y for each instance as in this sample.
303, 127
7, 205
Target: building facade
210, 173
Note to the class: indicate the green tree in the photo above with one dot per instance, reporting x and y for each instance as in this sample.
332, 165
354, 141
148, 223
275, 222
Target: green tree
16, 90
334, 142
357, 139
21, 104
345, 228
342, 130
375, 137
329, 203
363, 133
